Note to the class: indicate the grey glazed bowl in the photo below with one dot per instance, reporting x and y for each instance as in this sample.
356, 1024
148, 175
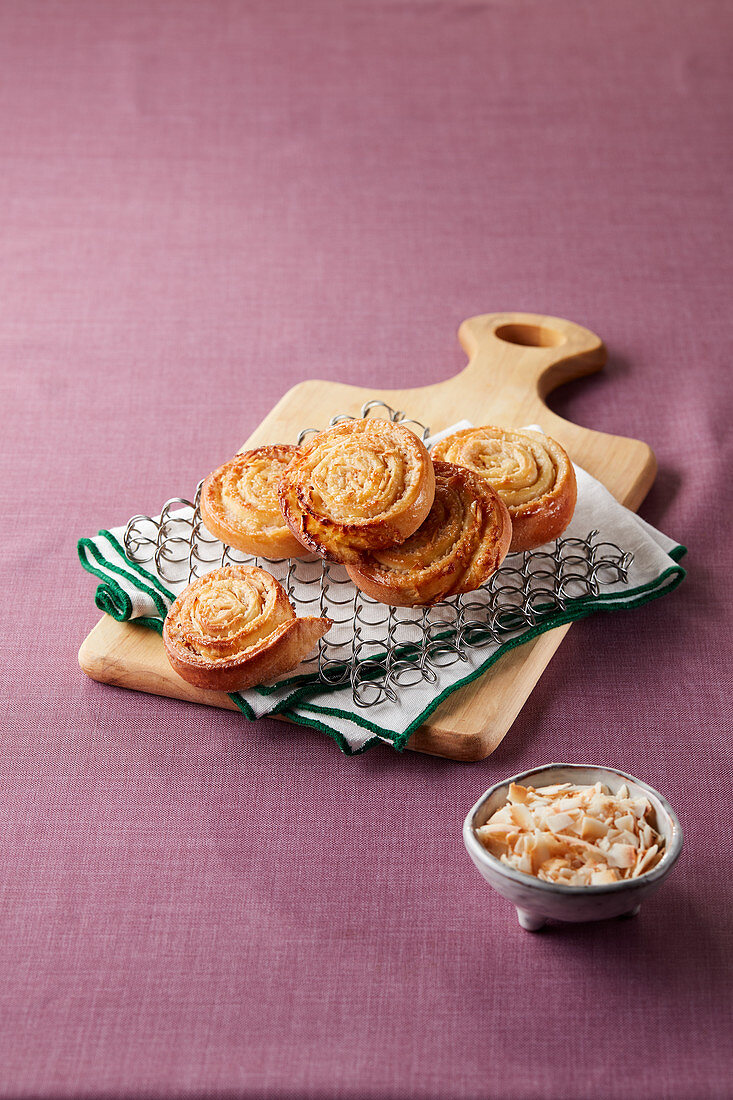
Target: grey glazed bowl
537, 901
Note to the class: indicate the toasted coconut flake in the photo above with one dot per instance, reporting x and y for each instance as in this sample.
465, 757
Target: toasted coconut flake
598, 805
573, 835
602, 876
570, 803
557, 822
521, 816
621, 855
627, 837
647, 861
592, 828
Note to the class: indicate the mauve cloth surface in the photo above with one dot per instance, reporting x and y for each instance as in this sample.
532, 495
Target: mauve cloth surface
202, 204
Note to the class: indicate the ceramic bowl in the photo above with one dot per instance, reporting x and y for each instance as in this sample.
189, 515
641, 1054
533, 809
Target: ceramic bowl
537, 901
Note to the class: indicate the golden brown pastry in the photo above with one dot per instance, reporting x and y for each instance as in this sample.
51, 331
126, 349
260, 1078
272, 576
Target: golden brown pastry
239, 502
363, 485
235, 628
530, 472
462, 542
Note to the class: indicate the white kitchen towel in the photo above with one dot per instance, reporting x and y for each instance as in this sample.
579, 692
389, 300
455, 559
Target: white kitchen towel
144, 589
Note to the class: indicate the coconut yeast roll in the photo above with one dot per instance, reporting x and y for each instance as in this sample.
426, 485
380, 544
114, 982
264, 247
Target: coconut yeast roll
462, 542
531, 473
239, 503
234, 628
361, 485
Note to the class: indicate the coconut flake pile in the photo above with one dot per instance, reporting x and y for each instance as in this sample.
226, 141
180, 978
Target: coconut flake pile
575, 836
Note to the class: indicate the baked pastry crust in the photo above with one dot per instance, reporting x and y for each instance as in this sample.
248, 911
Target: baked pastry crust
239, 503
531, 473
462, 542
234, 628
362, 485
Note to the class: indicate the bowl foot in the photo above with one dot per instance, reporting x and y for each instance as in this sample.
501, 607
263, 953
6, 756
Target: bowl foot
631, 913
529, 921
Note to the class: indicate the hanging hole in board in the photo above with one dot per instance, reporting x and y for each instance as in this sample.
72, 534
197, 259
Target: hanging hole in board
530, 336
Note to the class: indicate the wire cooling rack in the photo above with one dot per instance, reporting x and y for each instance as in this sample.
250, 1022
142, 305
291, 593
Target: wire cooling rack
375, 648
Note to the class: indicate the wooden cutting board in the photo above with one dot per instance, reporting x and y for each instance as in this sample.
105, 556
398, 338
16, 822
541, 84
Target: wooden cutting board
515, 360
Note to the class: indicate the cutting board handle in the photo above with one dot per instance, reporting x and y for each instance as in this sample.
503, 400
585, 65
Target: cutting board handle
515, 350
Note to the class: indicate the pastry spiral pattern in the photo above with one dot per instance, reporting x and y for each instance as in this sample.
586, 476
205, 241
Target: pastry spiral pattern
235, 628
531, 473
239, 503
362, 485
462, 542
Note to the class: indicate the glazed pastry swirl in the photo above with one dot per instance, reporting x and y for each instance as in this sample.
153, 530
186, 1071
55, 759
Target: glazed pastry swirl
362, 485
239, 502
235, 628
531, 473
462, 542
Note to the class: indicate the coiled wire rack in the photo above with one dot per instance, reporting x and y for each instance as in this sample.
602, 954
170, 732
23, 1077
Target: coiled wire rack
375, 648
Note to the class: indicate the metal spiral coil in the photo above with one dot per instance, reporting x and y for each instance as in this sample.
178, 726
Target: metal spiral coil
395, 416
376, 649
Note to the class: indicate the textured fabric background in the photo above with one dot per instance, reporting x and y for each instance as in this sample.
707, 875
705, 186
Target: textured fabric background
201, 204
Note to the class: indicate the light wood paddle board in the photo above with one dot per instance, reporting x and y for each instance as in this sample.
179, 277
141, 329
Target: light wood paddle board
514, 361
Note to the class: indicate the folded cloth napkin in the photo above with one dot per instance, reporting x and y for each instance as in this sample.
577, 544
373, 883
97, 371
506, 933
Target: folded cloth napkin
391, 711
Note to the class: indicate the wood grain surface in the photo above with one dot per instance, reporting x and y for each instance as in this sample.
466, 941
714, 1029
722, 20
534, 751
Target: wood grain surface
514, 361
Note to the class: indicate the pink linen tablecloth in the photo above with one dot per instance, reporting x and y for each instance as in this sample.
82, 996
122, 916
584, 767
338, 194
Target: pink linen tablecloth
200, 205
